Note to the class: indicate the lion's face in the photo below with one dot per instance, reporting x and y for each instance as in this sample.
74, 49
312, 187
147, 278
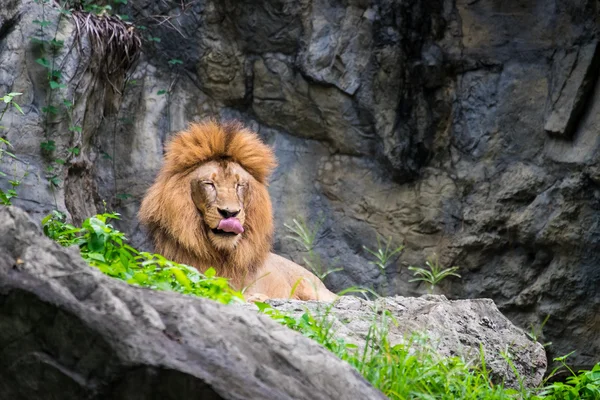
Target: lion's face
209, 206
218, 190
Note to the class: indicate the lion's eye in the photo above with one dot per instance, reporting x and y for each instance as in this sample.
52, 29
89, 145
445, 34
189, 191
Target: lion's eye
209, 183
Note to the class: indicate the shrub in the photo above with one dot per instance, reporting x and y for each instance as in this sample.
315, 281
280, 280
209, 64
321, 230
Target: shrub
105, 248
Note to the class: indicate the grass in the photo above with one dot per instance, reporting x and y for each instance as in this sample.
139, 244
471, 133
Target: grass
434, 274
306, 236
411, 370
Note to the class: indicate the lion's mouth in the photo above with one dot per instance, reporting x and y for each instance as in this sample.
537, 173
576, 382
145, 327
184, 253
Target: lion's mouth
221, 232
228, 227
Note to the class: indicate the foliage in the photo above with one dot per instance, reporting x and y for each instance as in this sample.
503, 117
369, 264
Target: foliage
306, 236
583, 385
411, 370
105, 248
384, 255
7, 195
535, 333
435, 274
115, 44
57, 102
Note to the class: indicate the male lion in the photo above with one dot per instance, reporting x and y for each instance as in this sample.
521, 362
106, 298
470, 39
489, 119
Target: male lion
209, 207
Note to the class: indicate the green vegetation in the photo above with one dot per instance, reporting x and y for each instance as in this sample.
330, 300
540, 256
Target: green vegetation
384, 254
434, 275
7, 195
306, 235
412, 370
583, 385
105, 248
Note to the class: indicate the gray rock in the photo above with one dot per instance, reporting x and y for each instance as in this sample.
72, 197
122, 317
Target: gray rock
574, 74
452, 328
69, 332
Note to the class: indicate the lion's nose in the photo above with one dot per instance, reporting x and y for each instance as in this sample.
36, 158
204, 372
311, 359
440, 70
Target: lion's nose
227, 213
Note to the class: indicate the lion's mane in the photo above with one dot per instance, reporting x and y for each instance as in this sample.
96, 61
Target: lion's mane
173, 220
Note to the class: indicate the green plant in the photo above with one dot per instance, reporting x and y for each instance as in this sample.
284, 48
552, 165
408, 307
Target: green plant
306, 236
409, 370
434, 275
8, 100
383, 255
114, 46
105, 248
7, 195
583, 385
535, 333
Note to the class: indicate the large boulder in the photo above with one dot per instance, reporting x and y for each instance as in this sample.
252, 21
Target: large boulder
452, 328
69, 332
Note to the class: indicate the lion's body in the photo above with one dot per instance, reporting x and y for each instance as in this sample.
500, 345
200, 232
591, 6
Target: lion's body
209, 207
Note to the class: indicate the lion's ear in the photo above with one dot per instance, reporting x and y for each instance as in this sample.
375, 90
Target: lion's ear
198, 195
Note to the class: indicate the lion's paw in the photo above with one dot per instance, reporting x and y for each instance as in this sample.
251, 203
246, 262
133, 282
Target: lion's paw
254, 297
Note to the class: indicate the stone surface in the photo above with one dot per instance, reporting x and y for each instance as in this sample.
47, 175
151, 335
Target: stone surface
69, 332
573, 77
420, 121
452, 327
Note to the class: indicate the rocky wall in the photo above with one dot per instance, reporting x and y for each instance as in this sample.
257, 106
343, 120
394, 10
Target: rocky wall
468, 129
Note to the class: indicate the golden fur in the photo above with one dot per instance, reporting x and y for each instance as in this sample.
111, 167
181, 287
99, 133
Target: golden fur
208, 167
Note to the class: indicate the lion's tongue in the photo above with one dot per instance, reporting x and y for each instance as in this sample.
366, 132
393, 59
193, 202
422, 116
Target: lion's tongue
231, 225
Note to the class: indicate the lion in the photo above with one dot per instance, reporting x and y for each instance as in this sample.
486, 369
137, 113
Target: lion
209, 207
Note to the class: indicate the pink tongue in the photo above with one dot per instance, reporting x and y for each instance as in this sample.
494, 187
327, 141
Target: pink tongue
231, 225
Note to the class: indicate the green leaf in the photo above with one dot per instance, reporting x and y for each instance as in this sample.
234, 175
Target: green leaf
57, 85
262, 306
57, 44
74, 150
38, 40
50, 110
54, 181
48, 146
162, 91
43, 23
43, 62
75, 128
175, 61
18, 107
55, 74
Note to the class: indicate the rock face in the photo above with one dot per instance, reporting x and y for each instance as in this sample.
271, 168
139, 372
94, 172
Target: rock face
452, 328
69, 332
465, 128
